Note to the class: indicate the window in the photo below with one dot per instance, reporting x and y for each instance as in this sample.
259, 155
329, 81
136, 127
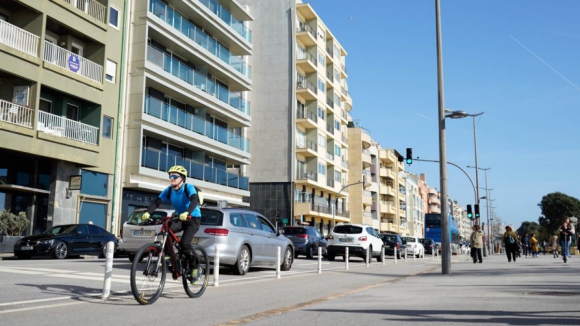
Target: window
107, 127
114, 17
321, 169
321, 141
337, 150
111, 71
321, 113
321, 85
72, 112
337, 176
300, 139
321, 59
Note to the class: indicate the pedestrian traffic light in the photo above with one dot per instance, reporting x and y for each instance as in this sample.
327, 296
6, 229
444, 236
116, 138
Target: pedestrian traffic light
409, 158
476, 210
469, 212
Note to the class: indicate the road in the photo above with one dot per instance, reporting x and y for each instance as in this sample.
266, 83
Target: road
540, 291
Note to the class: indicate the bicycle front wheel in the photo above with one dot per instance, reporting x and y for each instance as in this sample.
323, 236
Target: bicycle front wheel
195, 287
148, 274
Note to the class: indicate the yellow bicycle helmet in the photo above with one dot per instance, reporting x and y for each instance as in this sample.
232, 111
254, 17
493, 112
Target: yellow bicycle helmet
178, 169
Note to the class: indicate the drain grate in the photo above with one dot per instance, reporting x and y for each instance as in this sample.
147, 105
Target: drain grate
554, 293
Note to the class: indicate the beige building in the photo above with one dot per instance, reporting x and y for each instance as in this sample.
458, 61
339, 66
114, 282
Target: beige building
60, 63
362, 159
188, 81
299, 162
391, 195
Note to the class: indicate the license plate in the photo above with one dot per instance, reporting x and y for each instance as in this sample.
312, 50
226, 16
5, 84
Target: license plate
344, 239
142, 233
26, 248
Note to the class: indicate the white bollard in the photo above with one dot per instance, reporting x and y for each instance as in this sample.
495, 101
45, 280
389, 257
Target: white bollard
405, 255
278, 262
346, 258
319, 260
395, 253
109, 252
216, 268
423, 254
414, 256
368, 258
433, 253
383, 253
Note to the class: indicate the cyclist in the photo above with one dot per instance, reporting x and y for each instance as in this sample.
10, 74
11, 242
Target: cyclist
185, 201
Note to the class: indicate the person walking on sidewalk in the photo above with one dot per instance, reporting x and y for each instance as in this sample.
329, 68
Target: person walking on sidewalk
511, 241
534, 245
476, 244
554, 244
572, 230
565, 236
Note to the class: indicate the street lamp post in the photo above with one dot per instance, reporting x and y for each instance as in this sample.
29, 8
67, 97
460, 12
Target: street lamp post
335, 207
487, 196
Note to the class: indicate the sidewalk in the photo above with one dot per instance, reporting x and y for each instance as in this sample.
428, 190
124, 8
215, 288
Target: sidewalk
531, 291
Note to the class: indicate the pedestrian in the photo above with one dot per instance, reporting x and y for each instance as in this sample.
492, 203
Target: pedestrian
526, 245
511, 241
544, 247
572, 230
476, 244
534, 245
565, 236
554, 244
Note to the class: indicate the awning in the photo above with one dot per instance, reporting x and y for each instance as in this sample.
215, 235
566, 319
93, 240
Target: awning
23, 189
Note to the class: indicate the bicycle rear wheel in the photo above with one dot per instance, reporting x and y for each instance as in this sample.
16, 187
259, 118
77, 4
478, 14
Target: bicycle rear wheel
195, 288
148, 274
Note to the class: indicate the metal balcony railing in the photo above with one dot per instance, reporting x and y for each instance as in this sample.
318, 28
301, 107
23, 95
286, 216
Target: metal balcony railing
306, 114
72, 62
90, 7
63, 127
303, 27
186, 120
306, 56
309, 144
192, 77
180, 23
303, 83
227, 18
16, 114
18, 38
160, 161
330, 182
308, 175
330, 156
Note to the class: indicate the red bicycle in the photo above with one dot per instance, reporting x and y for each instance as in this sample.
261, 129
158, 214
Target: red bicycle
153, 260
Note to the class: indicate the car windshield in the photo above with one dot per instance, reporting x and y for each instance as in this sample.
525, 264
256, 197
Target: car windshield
294, 231
407, 239
348, 229
211, 217
61, 229
135, 218
388, 237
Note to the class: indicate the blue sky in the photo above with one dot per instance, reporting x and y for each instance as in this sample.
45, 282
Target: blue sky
518, 61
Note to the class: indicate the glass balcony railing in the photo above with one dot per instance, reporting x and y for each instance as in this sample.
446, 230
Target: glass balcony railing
183, 119
160, 161
190, 76
177, 21
227, 17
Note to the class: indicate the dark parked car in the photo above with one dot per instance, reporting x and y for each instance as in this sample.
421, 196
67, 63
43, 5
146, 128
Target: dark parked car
391, 241
430, 246
64, 241
306, 239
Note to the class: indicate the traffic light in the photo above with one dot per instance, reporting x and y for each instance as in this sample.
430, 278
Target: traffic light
469, 212
409, 158
476, 211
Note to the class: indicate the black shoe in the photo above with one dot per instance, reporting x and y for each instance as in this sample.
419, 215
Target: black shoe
509, 261
480, 262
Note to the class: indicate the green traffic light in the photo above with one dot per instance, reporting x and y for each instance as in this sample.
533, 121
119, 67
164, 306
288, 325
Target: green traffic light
409, 161
469, 215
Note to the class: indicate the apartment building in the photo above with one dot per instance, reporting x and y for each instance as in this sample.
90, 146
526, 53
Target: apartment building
363, 160
59, 109
299, 117
392, 201
415, 213
188, 80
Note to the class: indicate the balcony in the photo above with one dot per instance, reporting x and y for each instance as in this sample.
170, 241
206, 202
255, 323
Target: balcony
389, 227
183, 26
186, 120
91, 7
387, 173
72, 62
308, 148
367, 198
192, 77
19, 39
63, 127
160, 161
306, 118
330, 183
16, 114
306, 34
313, 176
366, 158
434, 200
306, 62
306, 89
227, 18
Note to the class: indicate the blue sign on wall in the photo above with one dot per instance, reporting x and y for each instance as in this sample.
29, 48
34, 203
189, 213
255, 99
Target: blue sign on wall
73, 63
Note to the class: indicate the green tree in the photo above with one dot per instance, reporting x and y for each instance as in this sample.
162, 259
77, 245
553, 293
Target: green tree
555, 207
12, 224
529, 228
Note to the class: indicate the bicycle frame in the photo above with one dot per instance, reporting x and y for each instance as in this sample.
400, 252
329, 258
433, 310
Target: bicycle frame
169, 242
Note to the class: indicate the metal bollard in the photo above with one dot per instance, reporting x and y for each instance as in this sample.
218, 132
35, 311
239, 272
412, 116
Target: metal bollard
278, 262
405, 255
368, 258
346, 258
319, 260
414, 256
384, 253
109, 252
395, 253
216, 268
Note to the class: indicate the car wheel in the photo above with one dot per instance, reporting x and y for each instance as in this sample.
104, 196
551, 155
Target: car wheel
60, 250
330, 257
287, 262
380, 257
242, 265
310, 252
295, 255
